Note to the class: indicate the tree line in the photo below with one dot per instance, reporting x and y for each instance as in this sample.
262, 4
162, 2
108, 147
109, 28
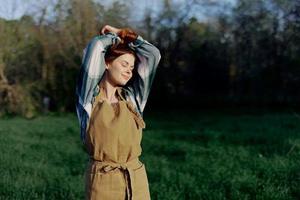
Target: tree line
247, 55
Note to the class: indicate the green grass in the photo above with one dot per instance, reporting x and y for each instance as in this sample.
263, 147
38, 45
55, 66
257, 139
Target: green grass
187, 156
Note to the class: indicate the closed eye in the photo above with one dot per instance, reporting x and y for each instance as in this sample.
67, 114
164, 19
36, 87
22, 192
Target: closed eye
125, 63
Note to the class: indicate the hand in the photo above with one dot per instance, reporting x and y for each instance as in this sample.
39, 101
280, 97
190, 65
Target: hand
108, 28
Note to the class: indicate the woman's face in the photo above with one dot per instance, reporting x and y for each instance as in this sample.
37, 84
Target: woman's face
120, 69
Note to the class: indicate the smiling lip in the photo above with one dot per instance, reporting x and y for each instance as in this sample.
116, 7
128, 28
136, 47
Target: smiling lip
126, 77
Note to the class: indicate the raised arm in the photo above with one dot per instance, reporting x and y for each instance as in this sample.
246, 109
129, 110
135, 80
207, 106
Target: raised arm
91, 71
149, 57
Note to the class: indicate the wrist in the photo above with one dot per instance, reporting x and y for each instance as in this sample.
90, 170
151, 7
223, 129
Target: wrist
137, 42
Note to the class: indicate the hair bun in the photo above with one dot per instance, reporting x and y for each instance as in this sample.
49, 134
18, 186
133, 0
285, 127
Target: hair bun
127, 35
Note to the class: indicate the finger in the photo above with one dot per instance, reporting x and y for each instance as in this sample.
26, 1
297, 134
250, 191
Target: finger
103, 29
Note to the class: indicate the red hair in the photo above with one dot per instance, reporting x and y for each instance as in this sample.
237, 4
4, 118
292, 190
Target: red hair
127, 35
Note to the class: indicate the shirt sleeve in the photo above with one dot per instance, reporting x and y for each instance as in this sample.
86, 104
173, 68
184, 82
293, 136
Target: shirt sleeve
149, 57
91, 71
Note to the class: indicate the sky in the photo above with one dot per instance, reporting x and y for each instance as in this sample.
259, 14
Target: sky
14, 9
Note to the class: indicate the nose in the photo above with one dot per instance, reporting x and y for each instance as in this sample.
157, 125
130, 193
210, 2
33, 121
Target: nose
128, 71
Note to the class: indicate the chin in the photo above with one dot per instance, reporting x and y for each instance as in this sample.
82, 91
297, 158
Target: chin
122, 83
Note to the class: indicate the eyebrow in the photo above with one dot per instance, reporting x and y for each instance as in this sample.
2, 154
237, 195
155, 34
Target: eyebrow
127, 63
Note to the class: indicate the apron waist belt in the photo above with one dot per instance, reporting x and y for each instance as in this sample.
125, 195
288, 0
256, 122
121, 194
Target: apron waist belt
127, 167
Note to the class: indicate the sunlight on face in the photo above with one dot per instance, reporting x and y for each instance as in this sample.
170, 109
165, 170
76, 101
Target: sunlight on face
120, 70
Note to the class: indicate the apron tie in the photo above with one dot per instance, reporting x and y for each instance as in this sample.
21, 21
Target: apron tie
107, 167
128, 173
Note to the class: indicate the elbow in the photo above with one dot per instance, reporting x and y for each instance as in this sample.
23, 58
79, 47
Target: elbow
157, 54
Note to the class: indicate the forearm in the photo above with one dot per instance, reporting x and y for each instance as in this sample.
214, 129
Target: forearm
108, 39
146, 49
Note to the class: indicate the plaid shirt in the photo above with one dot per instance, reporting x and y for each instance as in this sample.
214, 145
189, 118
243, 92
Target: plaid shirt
93, 67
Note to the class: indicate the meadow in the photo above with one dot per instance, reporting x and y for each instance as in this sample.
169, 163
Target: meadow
188, 155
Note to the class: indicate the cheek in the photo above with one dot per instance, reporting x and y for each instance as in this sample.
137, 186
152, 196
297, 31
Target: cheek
118, 69
115, 70
116, 73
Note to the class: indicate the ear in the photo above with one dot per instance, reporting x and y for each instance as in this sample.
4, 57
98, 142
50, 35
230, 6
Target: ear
107, 65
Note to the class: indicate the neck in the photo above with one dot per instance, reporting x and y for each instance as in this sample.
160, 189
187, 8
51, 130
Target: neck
109, 88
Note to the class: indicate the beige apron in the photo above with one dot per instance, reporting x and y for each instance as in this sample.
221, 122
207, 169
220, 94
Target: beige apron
113, 141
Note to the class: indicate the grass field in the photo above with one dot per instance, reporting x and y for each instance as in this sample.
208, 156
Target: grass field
187, 156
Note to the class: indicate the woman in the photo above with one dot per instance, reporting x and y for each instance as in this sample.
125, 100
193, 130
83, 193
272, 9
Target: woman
117, 71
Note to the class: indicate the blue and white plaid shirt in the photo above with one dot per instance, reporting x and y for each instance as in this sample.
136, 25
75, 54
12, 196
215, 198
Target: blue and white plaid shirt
93, 67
